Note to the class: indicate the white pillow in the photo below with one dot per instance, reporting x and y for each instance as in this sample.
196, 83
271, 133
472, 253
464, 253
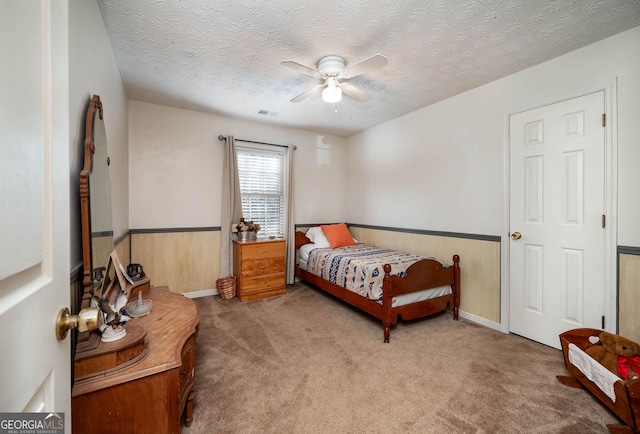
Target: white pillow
317, 237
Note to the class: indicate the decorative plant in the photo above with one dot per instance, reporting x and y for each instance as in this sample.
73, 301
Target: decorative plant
247, 226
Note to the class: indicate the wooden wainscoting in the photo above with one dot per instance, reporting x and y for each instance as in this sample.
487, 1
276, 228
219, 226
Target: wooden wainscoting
101, 248
479, 263
629, 294
75, 289
123, 248
185, 261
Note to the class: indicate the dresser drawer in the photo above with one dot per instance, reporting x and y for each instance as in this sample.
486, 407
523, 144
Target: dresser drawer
262, 250
262, 266
262, 283
187, 370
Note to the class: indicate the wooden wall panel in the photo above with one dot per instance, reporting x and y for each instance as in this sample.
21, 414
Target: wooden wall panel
123, 250
479, 264
629, 297
101, 248
75, 290
183, 261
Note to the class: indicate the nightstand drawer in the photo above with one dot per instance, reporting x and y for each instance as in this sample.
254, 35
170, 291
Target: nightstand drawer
260, 269
262, 283
262, 266
262, 250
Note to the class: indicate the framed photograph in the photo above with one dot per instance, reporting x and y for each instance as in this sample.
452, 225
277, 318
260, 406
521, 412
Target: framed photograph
107, 282
119, 269
115, 279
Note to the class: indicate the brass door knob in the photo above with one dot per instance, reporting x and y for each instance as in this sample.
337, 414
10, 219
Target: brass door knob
516, 236
86, 320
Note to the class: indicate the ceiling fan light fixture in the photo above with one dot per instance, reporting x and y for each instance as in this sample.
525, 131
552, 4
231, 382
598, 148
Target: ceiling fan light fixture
332, 92
331, 69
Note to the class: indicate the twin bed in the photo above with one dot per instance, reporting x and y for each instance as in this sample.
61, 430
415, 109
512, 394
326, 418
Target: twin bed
385, 283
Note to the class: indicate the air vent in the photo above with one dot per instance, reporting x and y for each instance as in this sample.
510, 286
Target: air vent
267, 112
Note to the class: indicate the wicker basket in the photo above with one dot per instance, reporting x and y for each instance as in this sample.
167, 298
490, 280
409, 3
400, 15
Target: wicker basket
227, 287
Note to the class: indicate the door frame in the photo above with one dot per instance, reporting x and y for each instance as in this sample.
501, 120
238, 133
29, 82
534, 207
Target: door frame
610, 292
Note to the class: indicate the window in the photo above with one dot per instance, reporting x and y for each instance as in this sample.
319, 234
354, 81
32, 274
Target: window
262, 187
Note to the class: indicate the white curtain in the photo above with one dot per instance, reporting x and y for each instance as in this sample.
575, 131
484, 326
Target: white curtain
290, 227
231, 205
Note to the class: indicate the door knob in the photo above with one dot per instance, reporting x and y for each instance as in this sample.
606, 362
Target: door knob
516, 236
86, 320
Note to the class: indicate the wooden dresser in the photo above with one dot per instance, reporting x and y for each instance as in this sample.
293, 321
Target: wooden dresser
154, 390
260, 268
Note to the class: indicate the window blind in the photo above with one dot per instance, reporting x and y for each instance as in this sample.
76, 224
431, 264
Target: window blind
261, 174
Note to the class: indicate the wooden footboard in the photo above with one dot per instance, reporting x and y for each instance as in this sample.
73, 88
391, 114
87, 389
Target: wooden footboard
424, 274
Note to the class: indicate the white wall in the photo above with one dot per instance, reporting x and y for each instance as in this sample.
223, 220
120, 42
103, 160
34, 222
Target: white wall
176, 167
441, 167
93, 71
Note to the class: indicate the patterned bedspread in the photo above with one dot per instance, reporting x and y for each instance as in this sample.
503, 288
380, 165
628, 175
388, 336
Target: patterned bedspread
359, 268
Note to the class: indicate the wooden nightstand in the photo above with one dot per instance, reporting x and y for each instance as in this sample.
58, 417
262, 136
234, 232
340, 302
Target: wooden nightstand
259, 267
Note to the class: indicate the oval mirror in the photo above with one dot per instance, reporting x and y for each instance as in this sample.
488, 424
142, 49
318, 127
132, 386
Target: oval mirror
95, 201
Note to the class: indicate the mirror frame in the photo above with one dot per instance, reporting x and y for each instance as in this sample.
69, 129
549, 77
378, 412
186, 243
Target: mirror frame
95, 105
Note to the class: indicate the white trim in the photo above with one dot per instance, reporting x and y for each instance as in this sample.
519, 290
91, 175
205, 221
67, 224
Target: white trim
198, 294
504, 236
611, 198
481, 321
611, 205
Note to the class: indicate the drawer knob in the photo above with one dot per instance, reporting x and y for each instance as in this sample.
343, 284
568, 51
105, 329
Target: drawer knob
264, 266
264, 282
264, 251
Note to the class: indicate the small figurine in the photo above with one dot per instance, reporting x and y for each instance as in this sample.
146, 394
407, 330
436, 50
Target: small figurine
113, 327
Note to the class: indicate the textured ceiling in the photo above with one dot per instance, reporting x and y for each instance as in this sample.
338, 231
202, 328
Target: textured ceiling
223, 56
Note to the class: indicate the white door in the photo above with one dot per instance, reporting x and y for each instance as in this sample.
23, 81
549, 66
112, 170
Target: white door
34, 206
557, 279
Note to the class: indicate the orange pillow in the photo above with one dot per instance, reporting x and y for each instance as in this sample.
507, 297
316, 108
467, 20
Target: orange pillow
338, 235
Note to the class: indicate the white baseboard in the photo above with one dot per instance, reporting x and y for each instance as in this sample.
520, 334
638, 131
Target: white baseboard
482, 321
198, 294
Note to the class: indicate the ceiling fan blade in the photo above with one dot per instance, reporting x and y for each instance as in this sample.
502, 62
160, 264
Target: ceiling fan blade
315, 89
355, 93
301, 68
373, 62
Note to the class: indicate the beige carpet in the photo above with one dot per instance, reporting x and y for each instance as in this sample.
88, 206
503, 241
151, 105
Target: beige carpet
306, 362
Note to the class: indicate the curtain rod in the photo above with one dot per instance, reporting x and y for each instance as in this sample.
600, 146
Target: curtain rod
221, 137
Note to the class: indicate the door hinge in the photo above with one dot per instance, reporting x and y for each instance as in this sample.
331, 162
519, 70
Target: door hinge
602, 322
604, 221
604, 119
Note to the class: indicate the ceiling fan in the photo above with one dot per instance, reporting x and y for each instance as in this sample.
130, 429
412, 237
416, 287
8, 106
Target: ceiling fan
334, 75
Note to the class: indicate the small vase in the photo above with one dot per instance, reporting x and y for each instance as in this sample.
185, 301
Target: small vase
247, 236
